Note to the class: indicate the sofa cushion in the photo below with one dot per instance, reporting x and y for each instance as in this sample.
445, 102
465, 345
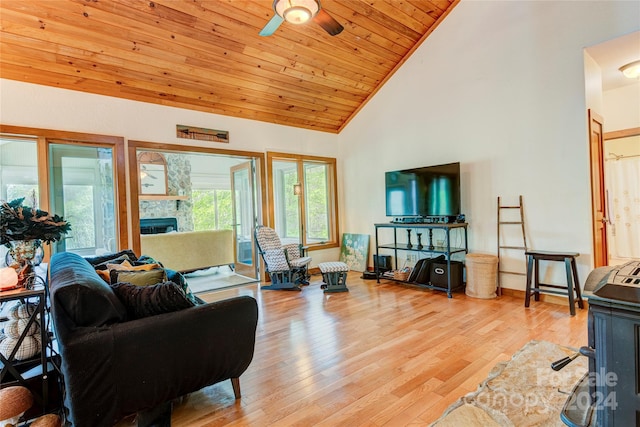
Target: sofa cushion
100, 262
139, 278
81, 293
173, 276
126, 265
144, 301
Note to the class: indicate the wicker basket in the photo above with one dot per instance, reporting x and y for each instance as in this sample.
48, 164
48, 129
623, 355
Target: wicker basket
401, 275
482, 275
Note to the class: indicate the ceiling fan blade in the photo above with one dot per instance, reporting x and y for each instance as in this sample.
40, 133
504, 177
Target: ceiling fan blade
327, 22
272, 25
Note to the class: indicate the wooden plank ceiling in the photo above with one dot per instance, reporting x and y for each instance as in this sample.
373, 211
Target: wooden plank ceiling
207, 55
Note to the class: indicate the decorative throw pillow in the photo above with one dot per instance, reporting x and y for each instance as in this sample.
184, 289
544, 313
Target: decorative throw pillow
173, 276
139, 278
178, 278
146, 259
100, 262
104, 274
126, 265
144, 301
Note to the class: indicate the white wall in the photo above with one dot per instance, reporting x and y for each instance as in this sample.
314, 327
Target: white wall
500, 87
621, 108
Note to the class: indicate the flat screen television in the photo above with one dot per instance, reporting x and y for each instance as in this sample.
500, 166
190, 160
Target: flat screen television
423, 192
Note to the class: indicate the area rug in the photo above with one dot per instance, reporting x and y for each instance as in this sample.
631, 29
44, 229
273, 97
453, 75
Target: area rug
215, 279
523, 391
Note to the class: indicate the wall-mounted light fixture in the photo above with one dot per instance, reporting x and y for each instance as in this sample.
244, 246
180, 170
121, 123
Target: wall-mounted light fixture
297, 189
631, 70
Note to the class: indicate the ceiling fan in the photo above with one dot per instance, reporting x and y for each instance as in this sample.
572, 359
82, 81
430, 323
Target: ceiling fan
299, 12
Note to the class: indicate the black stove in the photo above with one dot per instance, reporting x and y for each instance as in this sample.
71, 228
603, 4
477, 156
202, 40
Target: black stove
609, 395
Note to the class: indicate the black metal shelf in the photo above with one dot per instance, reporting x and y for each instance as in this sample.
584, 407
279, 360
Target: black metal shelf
429, 248
414, 248
32, 373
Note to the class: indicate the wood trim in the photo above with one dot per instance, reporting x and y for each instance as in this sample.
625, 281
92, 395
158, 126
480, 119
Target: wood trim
60, 135
598, 199
120, 171
182, 148
43, 183
623, 133
134, 184
134, 146
160, 197
552, 299
333, 191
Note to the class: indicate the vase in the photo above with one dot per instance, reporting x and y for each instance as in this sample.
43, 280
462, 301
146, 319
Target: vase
24, 255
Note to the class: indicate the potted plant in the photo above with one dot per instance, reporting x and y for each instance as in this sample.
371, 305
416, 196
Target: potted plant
23, 229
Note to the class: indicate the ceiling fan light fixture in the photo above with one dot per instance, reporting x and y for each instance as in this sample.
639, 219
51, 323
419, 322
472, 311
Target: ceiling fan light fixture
296, 11
297, 15
631, 70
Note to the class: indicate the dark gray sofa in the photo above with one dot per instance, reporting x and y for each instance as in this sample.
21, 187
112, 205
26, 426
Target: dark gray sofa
113, 367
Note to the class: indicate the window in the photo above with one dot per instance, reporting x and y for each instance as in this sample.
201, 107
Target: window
16, 191
307, 215
18, 168
74, 175
212, 209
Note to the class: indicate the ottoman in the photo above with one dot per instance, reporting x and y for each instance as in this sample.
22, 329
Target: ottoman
334, 275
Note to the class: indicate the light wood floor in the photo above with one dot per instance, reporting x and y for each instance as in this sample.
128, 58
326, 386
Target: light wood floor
380, 355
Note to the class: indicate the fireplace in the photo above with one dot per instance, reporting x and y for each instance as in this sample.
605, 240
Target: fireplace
609, 395
158, 225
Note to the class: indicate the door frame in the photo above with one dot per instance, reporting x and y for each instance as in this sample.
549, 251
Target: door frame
598, 199
133, 146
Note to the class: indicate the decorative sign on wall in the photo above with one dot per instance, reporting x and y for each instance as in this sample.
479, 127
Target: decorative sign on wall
202, 134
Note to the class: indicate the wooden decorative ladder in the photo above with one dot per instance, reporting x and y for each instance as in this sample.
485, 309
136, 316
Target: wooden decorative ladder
501, 247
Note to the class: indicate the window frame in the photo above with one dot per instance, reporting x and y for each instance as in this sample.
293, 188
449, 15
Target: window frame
46, 137
332, 195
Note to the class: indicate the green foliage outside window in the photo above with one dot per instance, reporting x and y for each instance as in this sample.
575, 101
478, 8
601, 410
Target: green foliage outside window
212, 209
315, 178
16, 191
79, 210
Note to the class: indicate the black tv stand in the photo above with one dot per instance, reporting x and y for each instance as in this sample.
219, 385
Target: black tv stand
444, 249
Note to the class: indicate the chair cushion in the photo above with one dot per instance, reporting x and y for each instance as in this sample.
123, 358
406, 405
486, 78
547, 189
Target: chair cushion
333, 267
275, 260
300, 262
